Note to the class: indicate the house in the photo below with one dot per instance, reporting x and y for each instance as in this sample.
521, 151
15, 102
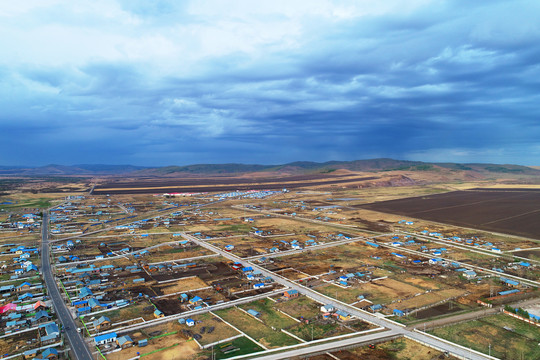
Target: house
24, 286
195, 301
105, 338
30, 354
51, 333
41, 316
258, 285
469, 274
190, 322
94, 304
398, 312
85, 293
32, 267
124, 341
327, 308
50, 353
342, 315
376, 307
510, 282
158, 313
290, 294
102, 323
83, 310
79, 304
39, 305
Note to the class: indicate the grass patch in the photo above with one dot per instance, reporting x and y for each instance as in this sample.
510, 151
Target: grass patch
269, 315
257, 330
244, 345
348, 295
319, 330
519, 342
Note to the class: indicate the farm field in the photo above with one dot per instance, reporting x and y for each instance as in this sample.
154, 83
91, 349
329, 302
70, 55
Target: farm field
225, 184
515, 212
257, 330
241, 346
510, 338
269, 315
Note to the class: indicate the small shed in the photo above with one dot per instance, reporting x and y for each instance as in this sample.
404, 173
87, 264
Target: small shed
142, 342
291, 294
124, 341
254, 313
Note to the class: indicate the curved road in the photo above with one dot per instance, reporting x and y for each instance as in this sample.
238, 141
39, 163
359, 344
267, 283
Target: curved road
78, 345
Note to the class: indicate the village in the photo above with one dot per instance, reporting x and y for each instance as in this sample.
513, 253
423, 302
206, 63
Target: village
216, 274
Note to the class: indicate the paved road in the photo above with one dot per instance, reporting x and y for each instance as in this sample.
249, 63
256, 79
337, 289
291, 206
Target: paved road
324, 348
363, 315
77, 343
186, 314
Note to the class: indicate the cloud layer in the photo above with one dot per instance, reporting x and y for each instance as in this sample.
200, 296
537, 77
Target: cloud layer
158, 83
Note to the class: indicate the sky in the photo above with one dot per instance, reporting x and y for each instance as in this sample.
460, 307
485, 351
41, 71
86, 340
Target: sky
158, 83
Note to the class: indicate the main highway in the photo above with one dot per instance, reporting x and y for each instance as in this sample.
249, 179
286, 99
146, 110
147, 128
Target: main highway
397, 328
78, 345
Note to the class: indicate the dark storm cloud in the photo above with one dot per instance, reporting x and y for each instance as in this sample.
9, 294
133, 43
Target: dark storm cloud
158, 84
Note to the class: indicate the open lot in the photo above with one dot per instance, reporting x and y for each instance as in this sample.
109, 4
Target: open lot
512, 212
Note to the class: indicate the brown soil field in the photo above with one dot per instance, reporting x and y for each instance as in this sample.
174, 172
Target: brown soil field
515, 212
185, 284
531, 254
224, 184
401, 348
443, 309
427, 299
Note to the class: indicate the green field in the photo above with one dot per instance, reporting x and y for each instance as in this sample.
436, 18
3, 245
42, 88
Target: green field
520, 342
348, 295
244, 345
301, 306
257, 330
269, 315
315, 331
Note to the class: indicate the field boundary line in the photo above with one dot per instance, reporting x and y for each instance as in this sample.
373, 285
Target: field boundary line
240, 331
284, 313
293, 336
222, 341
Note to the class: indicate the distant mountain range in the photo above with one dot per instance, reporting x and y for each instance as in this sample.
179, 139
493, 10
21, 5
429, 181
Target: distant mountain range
299, 167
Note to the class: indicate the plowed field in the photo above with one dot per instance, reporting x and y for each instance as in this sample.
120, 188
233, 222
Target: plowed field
515, 212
